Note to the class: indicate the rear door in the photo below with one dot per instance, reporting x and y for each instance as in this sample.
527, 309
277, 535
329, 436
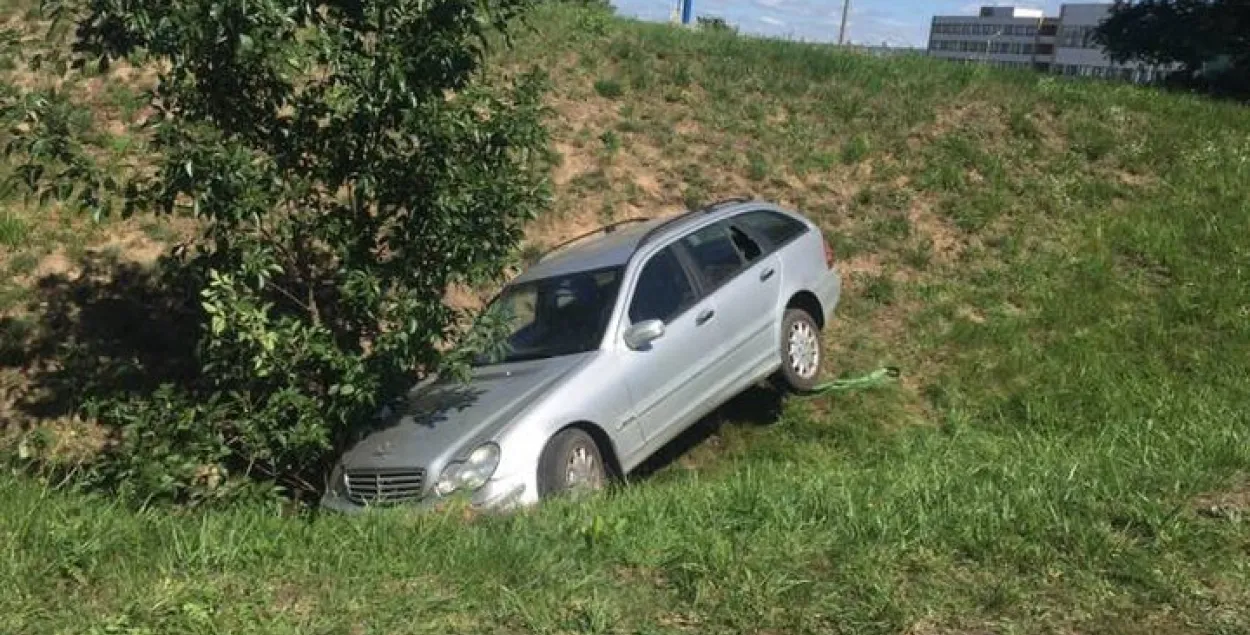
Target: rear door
744, 279
665, 379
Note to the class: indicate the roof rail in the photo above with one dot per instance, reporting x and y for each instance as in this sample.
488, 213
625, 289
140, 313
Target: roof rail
606, 229
710, 207
665, 225
733, 200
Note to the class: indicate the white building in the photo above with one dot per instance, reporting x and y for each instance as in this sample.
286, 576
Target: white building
1026, 38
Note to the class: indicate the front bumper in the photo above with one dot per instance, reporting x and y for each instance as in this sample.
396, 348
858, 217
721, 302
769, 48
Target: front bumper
498, 494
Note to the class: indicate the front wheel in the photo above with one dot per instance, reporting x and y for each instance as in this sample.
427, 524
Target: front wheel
571, 464
801, 354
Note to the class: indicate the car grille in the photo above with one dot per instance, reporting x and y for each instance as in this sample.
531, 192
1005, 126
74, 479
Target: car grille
384, 487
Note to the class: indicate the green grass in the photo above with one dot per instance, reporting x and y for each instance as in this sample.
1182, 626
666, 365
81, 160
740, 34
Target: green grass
1061, 274
13, 230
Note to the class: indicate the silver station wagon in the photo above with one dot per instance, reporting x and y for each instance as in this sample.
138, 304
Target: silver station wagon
620, 340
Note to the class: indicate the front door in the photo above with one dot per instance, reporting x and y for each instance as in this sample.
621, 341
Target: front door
667, 379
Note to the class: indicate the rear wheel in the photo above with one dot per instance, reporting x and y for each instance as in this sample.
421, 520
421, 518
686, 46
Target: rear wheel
801, 354
571, 464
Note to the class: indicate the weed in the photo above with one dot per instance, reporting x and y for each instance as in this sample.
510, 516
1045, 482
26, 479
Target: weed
125, 98
879, 288
609, 88
13, 230
855, 150
611, 142
694, 197
530, 254
590, 182
892, 227
159, 231
23, 263
757, 166
920, 255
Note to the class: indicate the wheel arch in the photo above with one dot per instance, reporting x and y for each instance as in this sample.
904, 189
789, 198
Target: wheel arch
810, 304
604, 442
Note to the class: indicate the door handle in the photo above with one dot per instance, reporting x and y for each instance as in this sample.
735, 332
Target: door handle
704, 317
766, 274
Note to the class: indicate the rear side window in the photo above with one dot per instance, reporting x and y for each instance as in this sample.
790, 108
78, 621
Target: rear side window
746, 246
714, 254
663, 290
776, 228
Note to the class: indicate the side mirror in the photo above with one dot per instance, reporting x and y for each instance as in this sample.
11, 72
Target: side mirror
639, 335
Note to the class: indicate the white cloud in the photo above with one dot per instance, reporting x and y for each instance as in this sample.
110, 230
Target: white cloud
768, 19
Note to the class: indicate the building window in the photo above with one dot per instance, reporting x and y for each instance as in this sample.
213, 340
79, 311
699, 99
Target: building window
1077, 37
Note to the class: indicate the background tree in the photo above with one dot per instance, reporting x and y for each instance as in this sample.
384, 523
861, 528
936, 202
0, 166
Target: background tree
348, 162
1210, 39
715, 23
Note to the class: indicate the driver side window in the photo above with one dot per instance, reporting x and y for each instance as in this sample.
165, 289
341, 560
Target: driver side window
663, 289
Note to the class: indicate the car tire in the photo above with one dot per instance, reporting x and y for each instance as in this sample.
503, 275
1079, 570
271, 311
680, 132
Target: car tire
802, 356
571, 464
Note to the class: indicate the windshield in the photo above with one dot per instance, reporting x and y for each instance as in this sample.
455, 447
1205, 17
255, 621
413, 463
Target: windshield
549, 317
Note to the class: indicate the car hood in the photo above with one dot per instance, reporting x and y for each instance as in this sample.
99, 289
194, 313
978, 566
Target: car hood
437, 420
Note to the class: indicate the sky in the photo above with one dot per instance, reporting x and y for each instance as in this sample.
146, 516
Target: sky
894, 22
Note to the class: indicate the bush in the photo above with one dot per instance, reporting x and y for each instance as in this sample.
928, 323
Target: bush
348, 165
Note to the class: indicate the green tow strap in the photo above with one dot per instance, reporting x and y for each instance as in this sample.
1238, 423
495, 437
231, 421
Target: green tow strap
875, 378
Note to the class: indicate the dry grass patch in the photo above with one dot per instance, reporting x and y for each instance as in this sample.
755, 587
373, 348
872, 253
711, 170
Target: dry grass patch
948, 243
68, 440
574, 162
1229, 503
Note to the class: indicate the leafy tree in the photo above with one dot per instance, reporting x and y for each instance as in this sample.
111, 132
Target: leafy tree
1210, 39
348, 161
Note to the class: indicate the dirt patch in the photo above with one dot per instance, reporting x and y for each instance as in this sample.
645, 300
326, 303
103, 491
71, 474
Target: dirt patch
593, 112
463, 298
56, 264
931, 626
890, 322
779, 117
66, 440
859, 266
13, 387
982, 120
1050, 131
640, 575
688, 128
1135, 180
133, 247
1231, 503
976, 116
574, 162
947, 242
649, 185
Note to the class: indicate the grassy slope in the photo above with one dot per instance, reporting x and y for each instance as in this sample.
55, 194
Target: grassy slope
1059, 267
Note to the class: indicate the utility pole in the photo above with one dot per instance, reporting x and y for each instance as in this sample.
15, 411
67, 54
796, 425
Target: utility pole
846, 9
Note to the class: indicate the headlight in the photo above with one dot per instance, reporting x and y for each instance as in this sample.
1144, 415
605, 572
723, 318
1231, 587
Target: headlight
470, 473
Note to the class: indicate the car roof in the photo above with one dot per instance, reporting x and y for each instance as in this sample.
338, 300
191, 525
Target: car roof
615, 245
